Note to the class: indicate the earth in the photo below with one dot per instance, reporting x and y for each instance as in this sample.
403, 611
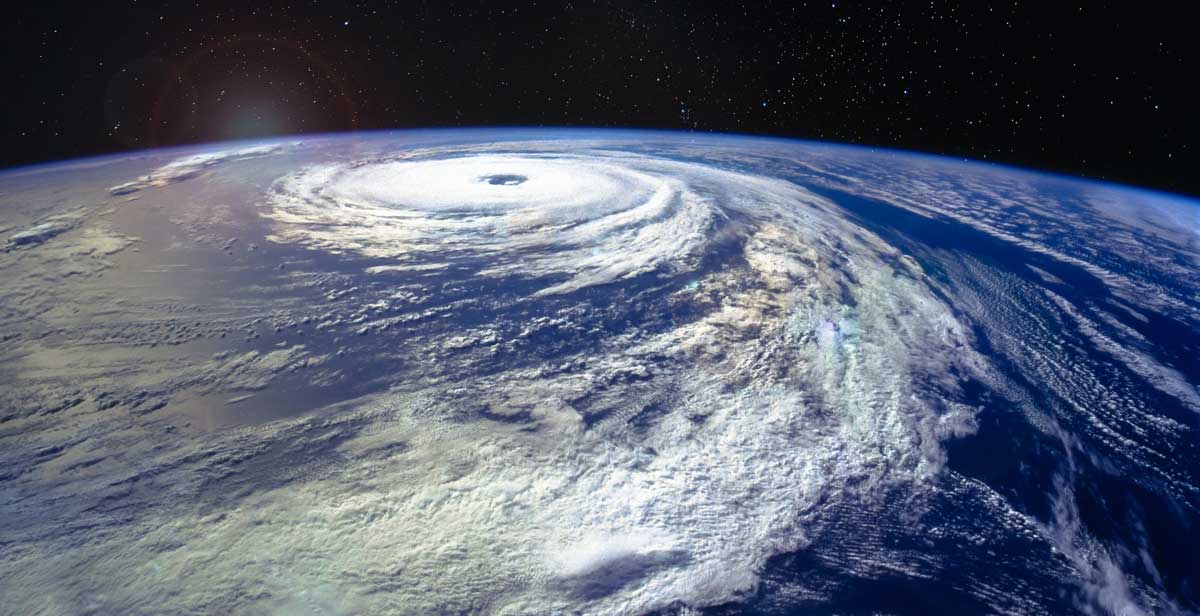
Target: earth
536, 371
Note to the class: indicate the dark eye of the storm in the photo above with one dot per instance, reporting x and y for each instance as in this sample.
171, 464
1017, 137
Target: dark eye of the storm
503, 179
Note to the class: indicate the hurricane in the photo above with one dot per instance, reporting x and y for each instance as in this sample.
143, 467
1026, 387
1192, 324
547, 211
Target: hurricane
610, 372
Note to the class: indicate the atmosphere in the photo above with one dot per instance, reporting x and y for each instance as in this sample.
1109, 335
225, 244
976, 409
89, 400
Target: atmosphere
1094, 89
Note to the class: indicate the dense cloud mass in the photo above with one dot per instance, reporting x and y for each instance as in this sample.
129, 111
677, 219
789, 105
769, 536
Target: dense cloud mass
594, 373
691, 449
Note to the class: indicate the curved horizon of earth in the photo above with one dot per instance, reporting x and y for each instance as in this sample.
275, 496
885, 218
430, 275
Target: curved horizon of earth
533, 371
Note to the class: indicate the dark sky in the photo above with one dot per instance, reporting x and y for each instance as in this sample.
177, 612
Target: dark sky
1105, 90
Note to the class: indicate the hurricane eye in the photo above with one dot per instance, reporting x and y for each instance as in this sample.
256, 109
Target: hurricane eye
503, 179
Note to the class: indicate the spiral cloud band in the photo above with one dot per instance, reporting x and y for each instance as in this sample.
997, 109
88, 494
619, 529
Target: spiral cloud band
789, 380
598, 220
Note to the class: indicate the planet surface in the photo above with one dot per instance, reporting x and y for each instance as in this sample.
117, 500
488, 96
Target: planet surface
535, 371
